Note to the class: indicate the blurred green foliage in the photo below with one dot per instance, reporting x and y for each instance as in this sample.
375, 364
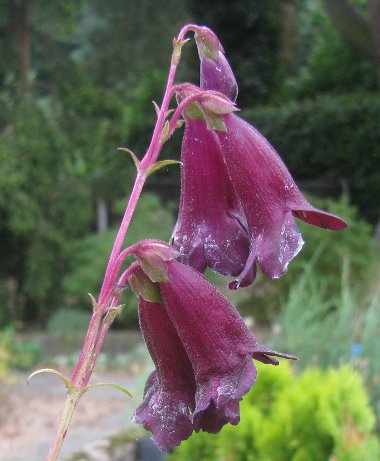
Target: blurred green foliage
330, 139
76, 82
328, 329
68, 324
329, 250
17, 353
317, 416
320, 60
326, 252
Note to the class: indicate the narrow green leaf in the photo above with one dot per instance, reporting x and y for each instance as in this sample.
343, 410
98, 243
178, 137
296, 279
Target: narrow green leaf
133, 156
69, 385
161, 164
95, 305
177, 50
165, 131
156, 108
116, 386
114, 311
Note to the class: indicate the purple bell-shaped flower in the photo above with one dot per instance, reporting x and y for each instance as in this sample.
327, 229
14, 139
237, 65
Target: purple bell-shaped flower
201, 348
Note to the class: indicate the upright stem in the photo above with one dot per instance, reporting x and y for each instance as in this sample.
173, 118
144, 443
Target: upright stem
64, 423
112, 269
101, 319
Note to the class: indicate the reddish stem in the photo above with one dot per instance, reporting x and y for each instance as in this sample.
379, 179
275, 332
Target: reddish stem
102, 317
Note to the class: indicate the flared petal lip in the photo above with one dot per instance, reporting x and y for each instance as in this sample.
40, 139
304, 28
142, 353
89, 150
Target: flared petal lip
319, 218
266, 357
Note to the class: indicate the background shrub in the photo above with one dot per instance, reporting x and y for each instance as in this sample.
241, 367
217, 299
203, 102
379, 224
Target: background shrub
17, 353
329, 330
318, 416
333, 138
327, 252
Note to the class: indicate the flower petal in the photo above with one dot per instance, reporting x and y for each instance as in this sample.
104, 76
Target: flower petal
269, 198
217, 75
215, 71
279, 246
217, 342
319, 218
169, 392
208, 231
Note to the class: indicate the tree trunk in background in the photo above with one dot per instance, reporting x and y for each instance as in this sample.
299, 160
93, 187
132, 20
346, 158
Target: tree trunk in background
23, 42
101, 216
362, 35
351, 25
287, 10
374, 16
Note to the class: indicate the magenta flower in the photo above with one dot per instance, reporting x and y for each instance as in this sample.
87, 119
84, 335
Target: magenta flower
238, 200
202, 351
215, 71
269, 197
208, 232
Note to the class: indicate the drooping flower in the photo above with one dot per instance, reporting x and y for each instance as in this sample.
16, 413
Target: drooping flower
170, 389
202, 351
215, 71
259, 200
269, 197
208, 232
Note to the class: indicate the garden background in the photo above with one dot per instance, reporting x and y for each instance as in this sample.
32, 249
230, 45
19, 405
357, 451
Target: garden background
77, 78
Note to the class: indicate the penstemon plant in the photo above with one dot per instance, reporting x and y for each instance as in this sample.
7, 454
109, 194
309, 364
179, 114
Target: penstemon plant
237, 210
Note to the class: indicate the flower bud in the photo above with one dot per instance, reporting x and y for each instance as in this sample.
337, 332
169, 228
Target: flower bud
215, 71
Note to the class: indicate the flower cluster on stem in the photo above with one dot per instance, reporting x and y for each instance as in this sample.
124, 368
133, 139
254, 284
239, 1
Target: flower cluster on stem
237, 211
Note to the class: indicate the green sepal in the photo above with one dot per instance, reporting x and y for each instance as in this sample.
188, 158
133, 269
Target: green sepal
161, 164
116, 386
192, 110
214, 121
177, 50
154, 266
217, 104
143, 287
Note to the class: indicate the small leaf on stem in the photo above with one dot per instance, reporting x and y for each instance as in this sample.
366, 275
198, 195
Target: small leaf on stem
165, 132
69, 385
113, 311
116, 386
161, 164
134, 158
156, 108
95, 305
179, 123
